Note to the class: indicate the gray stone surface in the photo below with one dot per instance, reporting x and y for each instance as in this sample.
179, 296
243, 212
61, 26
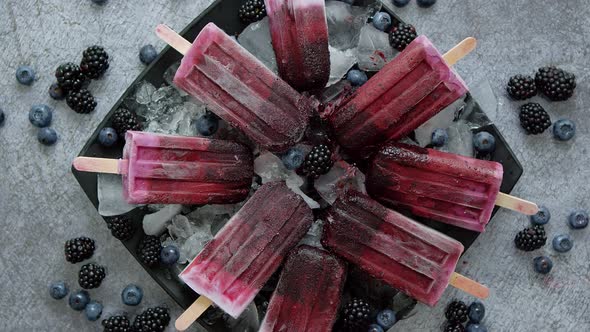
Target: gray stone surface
41, 204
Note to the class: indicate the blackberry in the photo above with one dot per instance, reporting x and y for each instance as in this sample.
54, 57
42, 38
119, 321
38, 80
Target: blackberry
149, 250
121, 227
117, 323
252, 11
456, 312
152, 320
95, 62
91, 275
356, 315
454, 327
402, 35
555, 83
531, 238
81, 101
124, 120
318, 161
79, 249
69, 77
534, 119
521, 87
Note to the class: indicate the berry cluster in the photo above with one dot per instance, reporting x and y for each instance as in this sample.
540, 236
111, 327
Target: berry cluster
457, 313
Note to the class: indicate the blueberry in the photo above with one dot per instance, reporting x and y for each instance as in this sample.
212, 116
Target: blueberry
169, 255
25, 75
100, 2
132, 295
386, 319
400, 3
562, 243
564, 129
543, 264
440, 137
356, 77
79, 299
578, 219
93, 311
107, 136
542, 217
375, 328
2, 117
484, 142
475, 328
47, 136
40, 115
56, 92
476, 312
147, 54
425, 3
207, 124
382, 21
58, 290
293, 158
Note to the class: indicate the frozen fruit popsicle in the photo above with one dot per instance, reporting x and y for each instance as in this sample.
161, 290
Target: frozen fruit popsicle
308, 294
407, 255
239, 88
165, 169
232, 268
299, 33
446, 187
405, 93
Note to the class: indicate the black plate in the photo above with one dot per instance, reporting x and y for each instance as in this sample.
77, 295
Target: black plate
224, 14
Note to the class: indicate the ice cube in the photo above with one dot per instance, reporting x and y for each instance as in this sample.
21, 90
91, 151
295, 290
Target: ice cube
270, 168
294, 182
248, 321
180, 227
345, 23
484, 96
144, 92
169, 78
313, 236
340, 63
196, 242
110, 196
256, 39
340, 177
373, 50
155, 223
443, 120
460, 139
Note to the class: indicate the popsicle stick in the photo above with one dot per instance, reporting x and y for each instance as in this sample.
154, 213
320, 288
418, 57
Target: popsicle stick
173, 39
516, 204
469, 286
192, 313
460, 50
97, 165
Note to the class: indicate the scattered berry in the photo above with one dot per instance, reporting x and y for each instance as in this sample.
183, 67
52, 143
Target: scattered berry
107, 137
318, 161
293, 158
578, 219
69, 77
207, 124
475, 328
534, 119
356, 315
542, 217
56, 92
2, 117
91, 276
79, 299
530, 239
58, 290
521, 87
375, 328
40, 115
454, 327
252, 11
425, 3
356, 77
402, 35
121, 227
149, 250
124, 120
25, 75
79, 249
47, 136
476, 312
169, 255
382, 21
116, 324
386, 319
400, 3
456, 311
562, 243
93, 311
440, 137
81, 101
484, 142
95, 62
543, 264
132, 295
564, 129
147, 54
557, 84
152, 320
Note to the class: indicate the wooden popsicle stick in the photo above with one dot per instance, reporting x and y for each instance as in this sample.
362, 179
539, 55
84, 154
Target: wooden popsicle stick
173, 39
469, 286
516, 204
97, 165
460, 50
191, 314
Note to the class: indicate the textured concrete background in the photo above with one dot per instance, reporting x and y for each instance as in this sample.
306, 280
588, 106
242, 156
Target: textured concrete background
41, 205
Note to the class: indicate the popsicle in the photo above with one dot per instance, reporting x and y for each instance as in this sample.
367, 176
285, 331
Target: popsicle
299, 34
409, 256
239, 88
308, 293
405, 93
165, 169
232, 268
446, 187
